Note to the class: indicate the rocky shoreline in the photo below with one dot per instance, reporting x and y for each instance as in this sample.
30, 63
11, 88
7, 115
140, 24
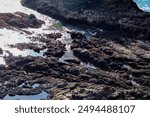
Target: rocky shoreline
111, 64
19, 20
123, 17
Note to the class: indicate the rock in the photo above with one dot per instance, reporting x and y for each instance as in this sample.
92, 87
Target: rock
11, 93
41, 81
1, 51
124, 17
117, 95
75, 61
83, 54
73, 71
21, 91
37, 66
32, 46
2, 67
77, 35
102, 64
85, 76
117, 56
31, 16
54, 35
62, 85
146, 57
20, 81
54, 53
55, 48
20, 20
26, 86
115, 66
87, 56
9, 84
14, 22
37, 49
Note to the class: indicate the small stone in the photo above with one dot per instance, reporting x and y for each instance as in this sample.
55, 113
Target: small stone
62, 85
114, 66
32, 16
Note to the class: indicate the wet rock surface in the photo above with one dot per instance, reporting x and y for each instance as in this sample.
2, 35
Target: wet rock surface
1, 51
121, 72
19, 20
106, 65
122, 16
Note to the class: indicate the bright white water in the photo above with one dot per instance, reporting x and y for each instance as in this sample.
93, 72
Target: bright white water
13, 37
143, 4
8, 37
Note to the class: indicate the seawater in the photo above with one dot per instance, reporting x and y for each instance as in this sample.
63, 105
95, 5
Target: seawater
13, 37
143, 4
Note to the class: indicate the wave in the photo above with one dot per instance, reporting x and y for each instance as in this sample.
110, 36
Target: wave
143, 4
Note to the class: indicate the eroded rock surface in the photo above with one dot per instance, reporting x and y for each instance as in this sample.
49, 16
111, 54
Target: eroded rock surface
121, 71
115, 15
113, 63
19, 20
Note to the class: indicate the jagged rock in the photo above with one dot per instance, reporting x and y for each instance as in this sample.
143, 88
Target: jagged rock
1, 51
124, 16
77, 35
19, 20
110, 65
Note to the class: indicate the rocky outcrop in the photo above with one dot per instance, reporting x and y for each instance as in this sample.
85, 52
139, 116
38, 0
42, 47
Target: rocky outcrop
109, 64
121, 70
19, 20
1, 51
115, 15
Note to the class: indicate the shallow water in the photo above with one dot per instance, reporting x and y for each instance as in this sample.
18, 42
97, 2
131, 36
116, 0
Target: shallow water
88, 66
10, 37
68, 54
35, 85
40, 96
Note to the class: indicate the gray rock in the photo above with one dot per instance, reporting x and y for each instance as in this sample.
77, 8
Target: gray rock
1, 51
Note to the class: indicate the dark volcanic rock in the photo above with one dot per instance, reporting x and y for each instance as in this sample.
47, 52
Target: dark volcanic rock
55, 48
19, 20
110, 65
54, 35
1, 51
77, 35
32, 46
123, 16
38, 67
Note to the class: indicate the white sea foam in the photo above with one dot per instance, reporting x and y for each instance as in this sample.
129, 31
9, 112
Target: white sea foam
9, 37
143, 4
